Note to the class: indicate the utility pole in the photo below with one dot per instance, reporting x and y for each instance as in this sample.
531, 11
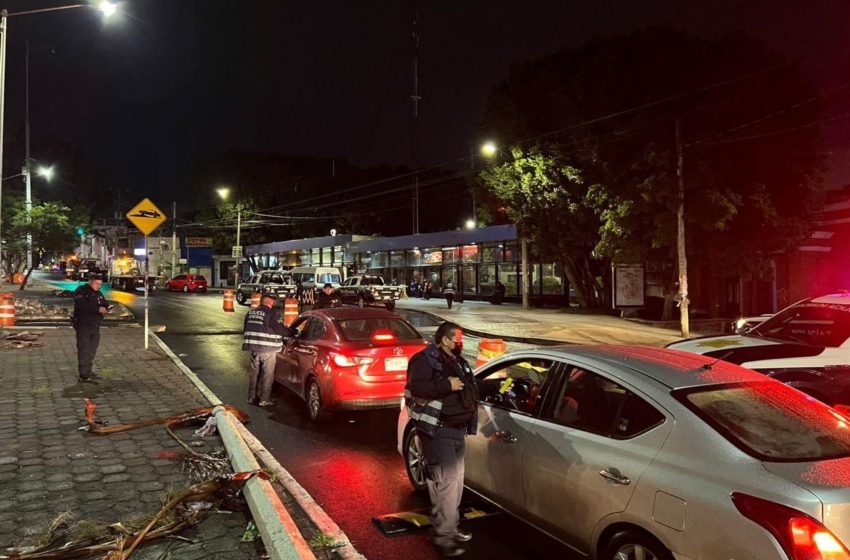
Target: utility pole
28, 163
414, 123
473, 185
683, 259
174, 239
4, 31
238, 243
526, 304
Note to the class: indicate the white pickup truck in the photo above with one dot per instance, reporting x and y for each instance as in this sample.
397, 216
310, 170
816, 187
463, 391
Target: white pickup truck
369, 290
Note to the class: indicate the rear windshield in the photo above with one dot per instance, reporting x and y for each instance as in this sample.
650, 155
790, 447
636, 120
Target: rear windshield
365, 329
200, 278
371, 281
819, 324
327, 279
772, 421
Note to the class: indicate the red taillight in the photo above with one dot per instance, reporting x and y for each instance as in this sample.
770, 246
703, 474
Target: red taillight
799, 535
342, 360
383, 336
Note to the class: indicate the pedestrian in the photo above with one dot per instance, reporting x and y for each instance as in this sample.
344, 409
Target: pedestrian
263, 337
328, 298
89, 308
442, 401
449, 292
499, 297
429, 290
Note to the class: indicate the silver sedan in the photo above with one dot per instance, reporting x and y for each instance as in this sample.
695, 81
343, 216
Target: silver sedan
633, 453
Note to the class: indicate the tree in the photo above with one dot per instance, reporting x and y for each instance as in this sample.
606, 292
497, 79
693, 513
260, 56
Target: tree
544, 195
14, 247
51, 230
752, 173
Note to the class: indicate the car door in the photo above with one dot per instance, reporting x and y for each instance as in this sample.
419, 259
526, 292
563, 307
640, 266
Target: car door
591, 445
306, 351
286, 366
505, 422
346, 290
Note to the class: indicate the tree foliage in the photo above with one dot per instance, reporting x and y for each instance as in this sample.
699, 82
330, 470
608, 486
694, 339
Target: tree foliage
50, 227
609, 107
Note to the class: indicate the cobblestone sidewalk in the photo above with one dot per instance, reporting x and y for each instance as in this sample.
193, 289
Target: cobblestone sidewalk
48, 466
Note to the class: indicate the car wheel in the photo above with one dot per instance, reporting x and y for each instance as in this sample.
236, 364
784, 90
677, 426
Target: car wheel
240, 298
168, 286
361, 302
315, 407
414, 461
635, 545
390, 305
185, 289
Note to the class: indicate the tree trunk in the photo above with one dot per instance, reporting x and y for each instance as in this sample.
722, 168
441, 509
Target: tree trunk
583, 282
670, 290
35, 264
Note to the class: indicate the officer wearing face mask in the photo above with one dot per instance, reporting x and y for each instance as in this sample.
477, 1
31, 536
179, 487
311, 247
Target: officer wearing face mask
442, 400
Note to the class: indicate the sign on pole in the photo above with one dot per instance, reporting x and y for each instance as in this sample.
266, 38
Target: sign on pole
147, 217
237, 251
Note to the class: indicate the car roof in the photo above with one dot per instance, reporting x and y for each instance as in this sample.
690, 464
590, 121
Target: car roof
672, 368
835, 299
344, 313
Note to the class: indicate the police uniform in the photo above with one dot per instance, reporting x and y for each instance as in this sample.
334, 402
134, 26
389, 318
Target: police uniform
442, 418
325, 301
87, 320
263, 337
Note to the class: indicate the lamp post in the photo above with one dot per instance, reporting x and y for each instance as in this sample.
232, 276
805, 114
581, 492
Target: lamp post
488, 150
107, 8
224, 193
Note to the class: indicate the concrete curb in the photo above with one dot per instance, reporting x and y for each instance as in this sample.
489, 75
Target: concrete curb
238, 440
506, 338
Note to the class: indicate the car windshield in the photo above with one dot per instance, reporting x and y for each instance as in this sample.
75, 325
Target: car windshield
771, 421
327, 278
365, 329
818, 324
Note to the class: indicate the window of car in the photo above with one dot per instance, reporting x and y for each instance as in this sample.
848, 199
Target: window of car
327, 278
372, 281
366, 329
314, 330
593, 403
303, 277
180, 277
276, 279
528, 375
818, 324
348, 282
771, 421
199, 278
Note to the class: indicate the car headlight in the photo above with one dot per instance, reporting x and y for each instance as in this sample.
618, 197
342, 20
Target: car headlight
740, 323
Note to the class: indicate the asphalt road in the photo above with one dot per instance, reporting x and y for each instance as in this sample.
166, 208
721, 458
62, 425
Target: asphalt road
349, 464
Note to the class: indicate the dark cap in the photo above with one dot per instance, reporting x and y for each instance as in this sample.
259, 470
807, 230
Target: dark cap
95, 277
331, 286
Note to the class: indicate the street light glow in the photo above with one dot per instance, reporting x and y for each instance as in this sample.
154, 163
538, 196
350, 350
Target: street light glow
470, 224
46, 172
489, 149
223, 193
108, 8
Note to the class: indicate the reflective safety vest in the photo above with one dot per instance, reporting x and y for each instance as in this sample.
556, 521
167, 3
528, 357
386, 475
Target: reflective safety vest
260, 335
425, 413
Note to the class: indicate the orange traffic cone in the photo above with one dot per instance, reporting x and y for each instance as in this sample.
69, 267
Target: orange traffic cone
488, 349
255, 300
228, 300
7, 309
290, 311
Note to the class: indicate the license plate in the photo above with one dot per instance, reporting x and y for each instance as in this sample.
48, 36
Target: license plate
395, 364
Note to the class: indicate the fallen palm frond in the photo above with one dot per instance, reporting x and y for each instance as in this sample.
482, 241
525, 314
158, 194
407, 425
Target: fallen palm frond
83, 540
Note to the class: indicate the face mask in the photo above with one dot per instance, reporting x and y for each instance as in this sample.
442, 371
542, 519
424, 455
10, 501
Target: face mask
458, 349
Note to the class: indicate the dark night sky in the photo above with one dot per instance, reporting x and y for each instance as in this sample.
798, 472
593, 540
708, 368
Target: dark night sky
150, 92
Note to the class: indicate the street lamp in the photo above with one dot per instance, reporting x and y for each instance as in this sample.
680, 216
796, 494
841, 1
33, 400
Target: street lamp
46, 172
489, 149
105, 7
224, 192
470, 224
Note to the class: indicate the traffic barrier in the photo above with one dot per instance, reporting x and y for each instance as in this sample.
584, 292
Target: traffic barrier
18, 278
228, 300
256, 299
290, 311
489, 349
7, 309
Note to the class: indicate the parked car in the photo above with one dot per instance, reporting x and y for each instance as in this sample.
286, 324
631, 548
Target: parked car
187, 283
369, 290
636, 452
806, 346
313, 278
348, 359
278, 284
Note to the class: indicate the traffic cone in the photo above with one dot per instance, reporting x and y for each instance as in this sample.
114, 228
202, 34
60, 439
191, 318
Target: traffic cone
7, 309
290, 311
255, 300
228, 300
489, 349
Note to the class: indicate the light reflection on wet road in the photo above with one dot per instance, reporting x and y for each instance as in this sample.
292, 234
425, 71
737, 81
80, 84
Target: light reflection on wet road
349, 464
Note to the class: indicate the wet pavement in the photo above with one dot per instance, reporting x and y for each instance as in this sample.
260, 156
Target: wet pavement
349, 464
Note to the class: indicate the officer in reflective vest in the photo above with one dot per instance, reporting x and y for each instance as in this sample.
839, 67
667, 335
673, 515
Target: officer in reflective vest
442, 400
263, 337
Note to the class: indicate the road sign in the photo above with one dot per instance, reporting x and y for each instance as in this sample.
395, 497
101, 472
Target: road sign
237, 251
184, 261
146, 216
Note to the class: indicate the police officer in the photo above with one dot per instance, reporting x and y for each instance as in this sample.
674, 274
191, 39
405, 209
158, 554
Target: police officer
442, 400
449, 292
89, 308
327, 298
263, 337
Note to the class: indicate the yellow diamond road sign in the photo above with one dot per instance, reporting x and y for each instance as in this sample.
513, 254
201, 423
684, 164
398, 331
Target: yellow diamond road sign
146, 216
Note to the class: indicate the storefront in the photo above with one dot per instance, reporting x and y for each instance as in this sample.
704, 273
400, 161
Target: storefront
473, 260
